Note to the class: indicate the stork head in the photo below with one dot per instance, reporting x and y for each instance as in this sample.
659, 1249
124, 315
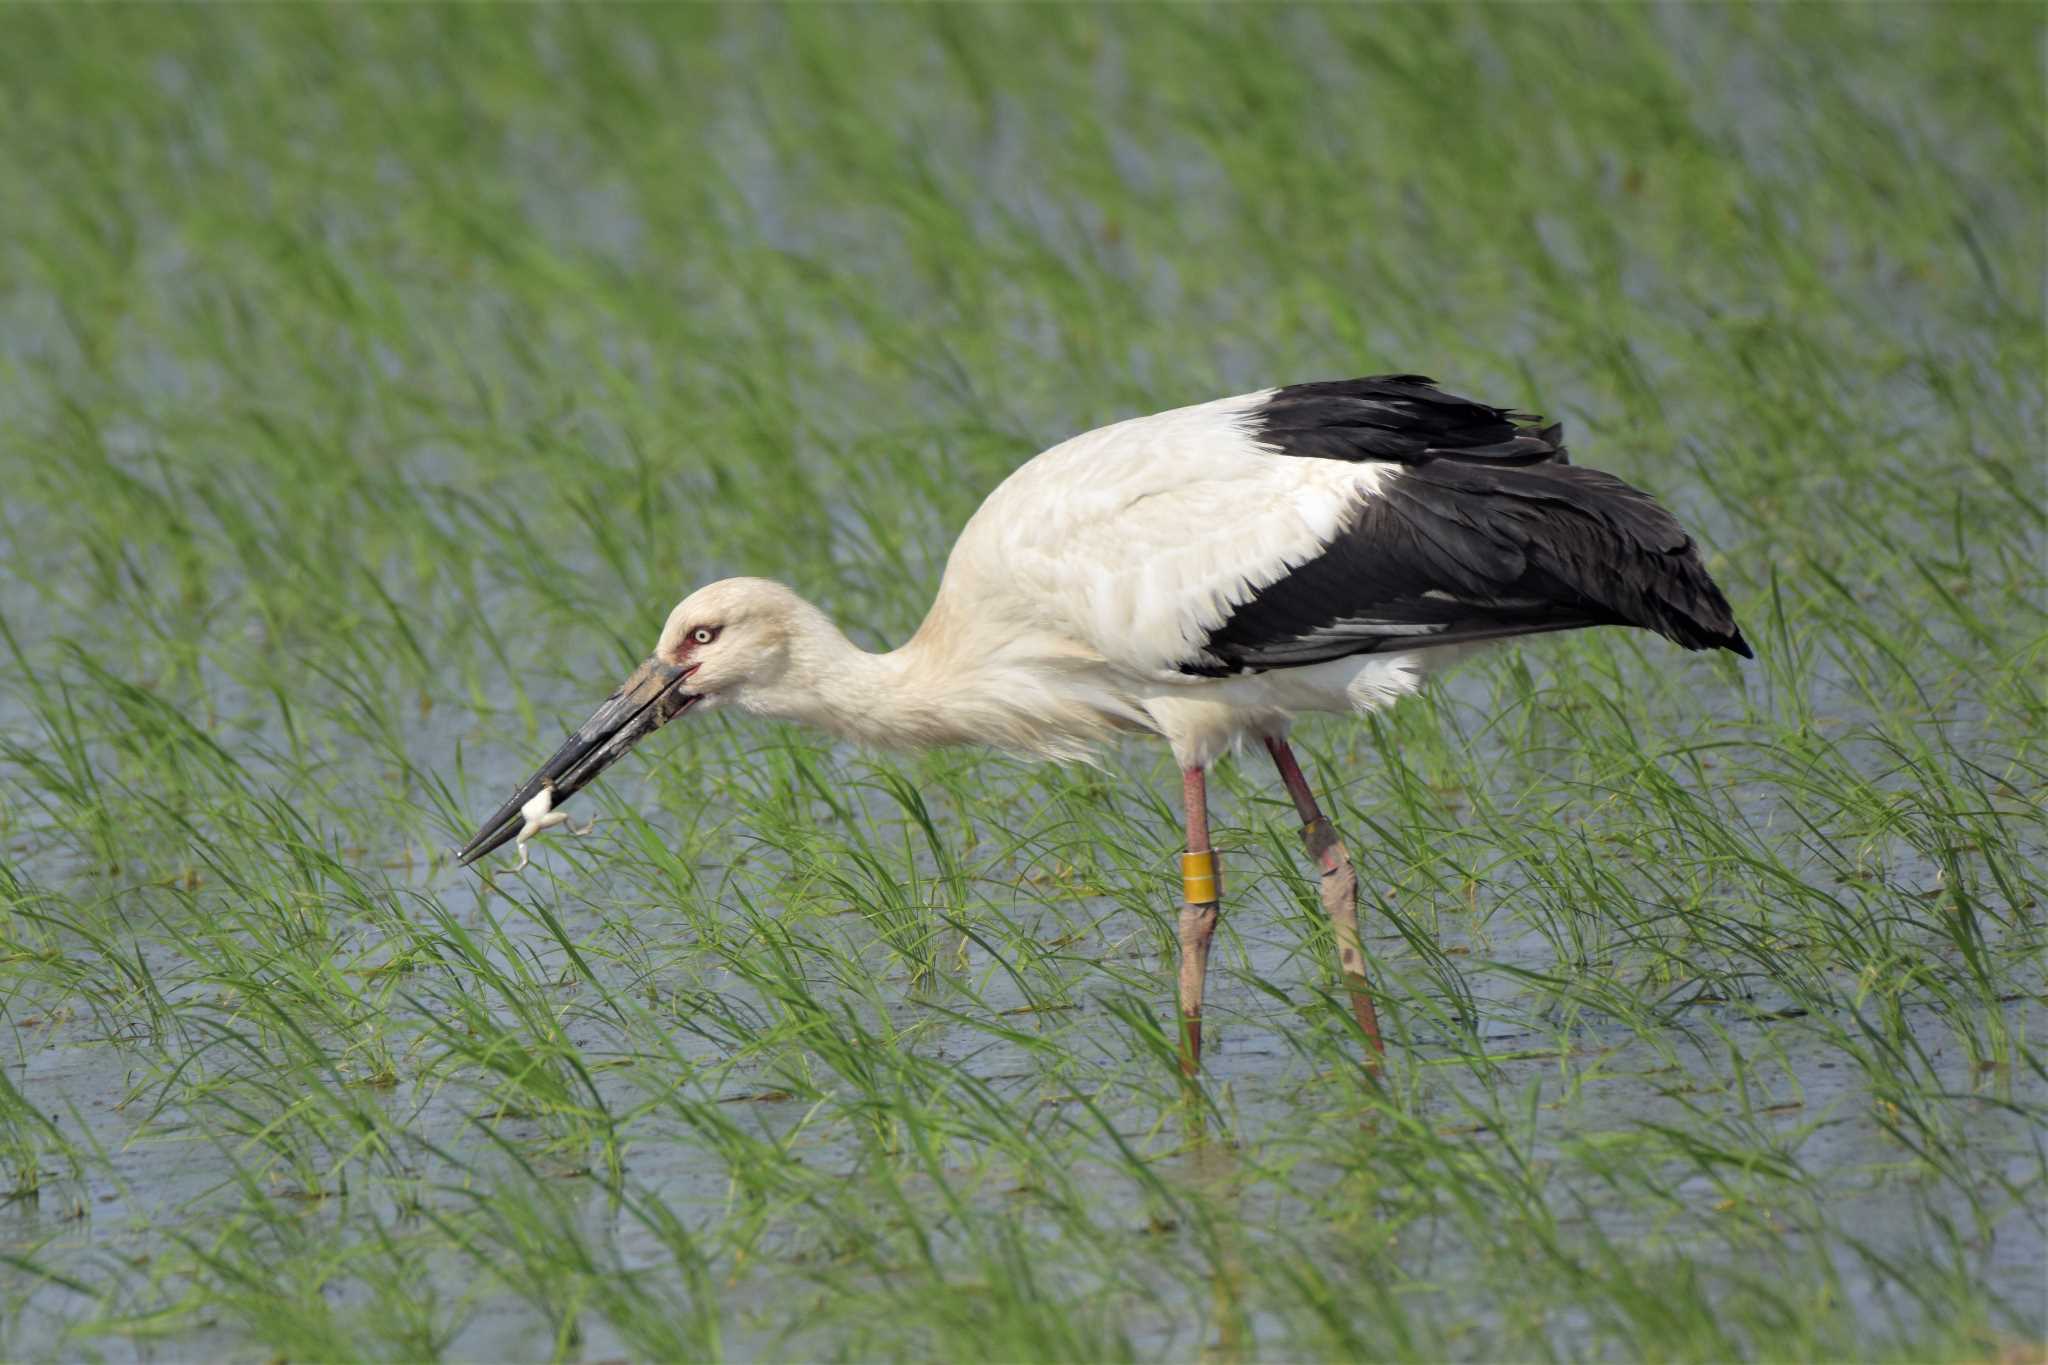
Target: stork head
721, 642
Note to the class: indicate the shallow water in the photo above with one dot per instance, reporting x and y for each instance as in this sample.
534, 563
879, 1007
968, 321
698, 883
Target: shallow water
1713, 993
1577, 1076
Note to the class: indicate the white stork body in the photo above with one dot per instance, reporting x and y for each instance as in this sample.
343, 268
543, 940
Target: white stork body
1107, 560
1204, 574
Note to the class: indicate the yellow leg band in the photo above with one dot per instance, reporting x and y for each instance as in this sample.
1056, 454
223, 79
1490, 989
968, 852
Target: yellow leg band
1201, 878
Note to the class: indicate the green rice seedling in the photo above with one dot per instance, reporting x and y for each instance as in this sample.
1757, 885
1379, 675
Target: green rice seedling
375, 377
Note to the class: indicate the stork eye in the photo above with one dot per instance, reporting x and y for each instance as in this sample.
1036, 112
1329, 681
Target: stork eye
704, 635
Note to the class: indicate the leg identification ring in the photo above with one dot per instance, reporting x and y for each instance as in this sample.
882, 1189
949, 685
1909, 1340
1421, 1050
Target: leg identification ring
1201, 878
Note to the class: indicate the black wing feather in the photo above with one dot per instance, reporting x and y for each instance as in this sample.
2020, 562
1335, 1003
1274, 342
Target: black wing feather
1404, 418
1485, 532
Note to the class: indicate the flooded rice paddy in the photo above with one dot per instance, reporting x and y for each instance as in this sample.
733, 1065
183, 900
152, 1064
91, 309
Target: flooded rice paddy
373, 382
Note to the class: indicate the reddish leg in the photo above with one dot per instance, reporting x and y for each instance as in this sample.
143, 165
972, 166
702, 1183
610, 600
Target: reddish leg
1339, 892
1201, 889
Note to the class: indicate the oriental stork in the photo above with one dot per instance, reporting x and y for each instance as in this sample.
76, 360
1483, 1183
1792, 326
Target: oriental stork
1204, 575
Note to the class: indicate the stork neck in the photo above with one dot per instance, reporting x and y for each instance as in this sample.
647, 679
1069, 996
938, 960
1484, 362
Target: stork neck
891, 699
952, 683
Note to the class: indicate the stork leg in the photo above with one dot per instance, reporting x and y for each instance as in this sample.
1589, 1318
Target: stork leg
1339, 892
1201, 887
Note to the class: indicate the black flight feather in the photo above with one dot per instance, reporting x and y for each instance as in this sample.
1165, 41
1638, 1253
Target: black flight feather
1483, 532
1404, 418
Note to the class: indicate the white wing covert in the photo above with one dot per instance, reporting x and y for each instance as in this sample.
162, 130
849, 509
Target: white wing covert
1139, 539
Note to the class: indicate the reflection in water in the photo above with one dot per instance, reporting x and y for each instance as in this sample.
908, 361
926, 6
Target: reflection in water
1208, 1171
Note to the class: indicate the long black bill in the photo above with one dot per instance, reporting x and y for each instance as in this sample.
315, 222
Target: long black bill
645, 702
